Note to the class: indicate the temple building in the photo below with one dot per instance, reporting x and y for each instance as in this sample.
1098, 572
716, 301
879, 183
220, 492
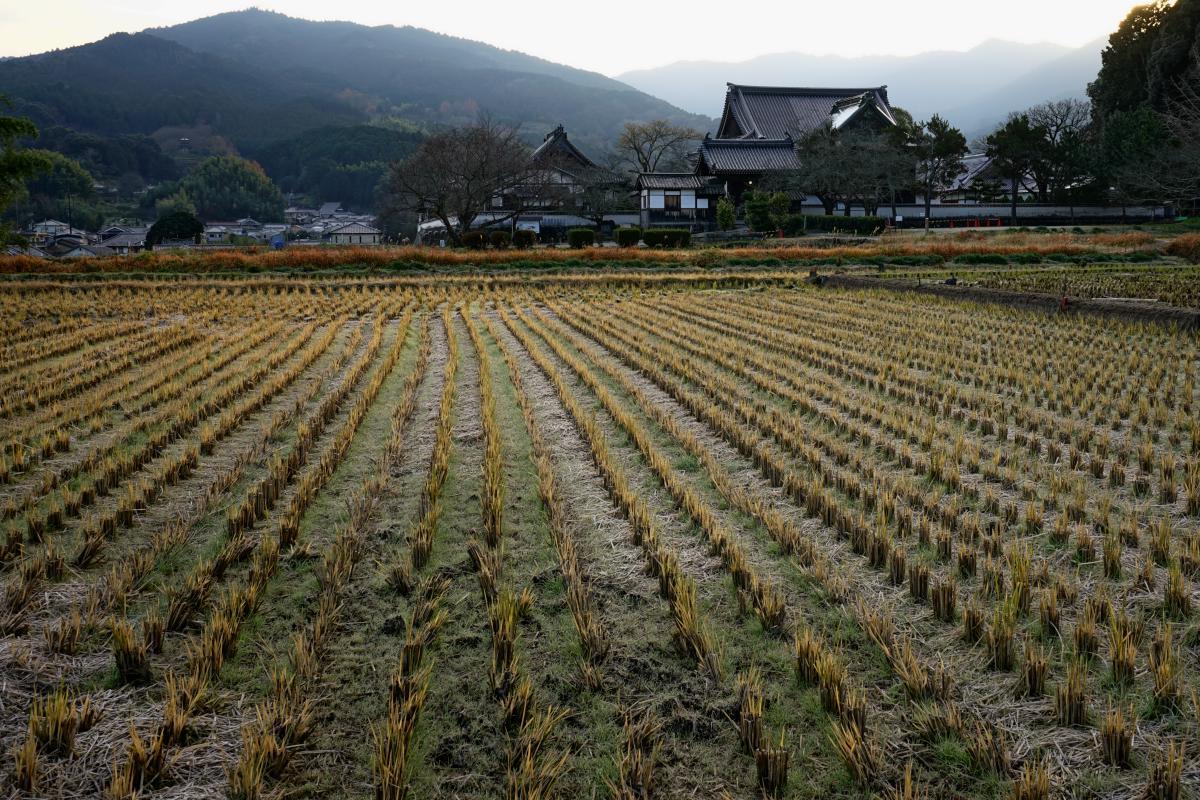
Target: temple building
757, 136
761, 124
777, 112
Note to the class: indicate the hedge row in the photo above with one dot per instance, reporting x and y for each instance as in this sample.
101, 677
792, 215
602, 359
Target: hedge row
581, 237
628, 237
476, 240
499, 240
667, 237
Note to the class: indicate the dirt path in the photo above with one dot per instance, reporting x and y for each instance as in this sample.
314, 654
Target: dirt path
460, 734
701, 753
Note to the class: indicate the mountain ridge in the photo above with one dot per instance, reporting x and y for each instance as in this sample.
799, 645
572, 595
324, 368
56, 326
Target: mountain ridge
193, 34
256, 77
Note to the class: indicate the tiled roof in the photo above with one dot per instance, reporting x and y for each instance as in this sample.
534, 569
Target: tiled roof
748, 155
773, 112
974, 165
16, 250
556, 145
353, 227
87, 250
979, 167
671, 180
126, 240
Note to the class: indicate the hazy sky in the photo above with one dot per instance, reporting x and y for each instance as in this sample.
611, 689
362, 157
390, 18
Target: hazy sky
612, 37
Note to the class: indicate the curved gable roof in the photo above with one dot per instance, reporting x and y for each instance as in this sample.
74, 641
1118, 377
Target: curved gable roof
775, 112
748, 155
557, 147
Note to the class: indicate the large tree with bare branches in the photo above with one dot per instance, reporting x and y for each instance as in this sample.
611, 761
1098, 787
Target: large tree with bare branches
455, 176
649, 146
1065, 124
1178, 175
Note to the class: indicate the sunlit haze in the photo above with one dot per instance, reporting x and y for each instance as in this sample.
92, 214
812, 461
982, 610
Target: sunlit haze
618, 36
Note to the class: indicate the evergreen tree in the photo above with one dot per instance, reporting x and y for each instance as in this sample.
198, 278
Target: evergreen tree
17, 164
1015, 148
940, 148
1132, 147
726, 217
1122, 84
176, 226
823, 167
228, 187
758, 211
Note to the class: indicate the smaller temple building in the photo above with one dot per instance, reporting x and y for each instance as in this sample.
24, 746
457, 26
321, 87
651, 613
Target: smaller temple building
678, 200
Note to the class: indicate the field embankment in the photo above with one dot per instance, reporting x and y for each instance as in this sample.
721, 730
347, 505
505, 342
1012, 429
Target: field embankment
1017, 245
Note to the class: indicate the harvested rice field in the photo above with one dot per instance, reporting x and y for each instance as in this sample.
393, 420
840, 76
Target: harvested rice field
673, 535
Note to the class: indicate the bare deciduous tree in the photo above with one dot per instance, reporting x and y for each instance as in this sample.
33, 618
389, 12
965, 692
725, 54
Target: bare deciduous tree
454, 177
823, 168
1179, 177
857, 167
649, 145
598, 192
1064, 123
1061, 118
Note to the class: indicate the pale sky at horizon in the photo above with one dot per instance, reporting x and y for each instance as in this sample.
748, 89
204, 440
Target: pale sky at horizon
622, 36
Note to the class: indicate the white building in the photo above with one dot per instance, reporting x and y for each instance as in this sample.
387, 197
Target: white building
353, 233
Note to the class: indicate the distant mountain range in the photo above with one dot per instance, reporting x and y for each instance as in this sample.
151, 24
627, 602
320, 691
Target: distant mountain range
975, 89
254, 77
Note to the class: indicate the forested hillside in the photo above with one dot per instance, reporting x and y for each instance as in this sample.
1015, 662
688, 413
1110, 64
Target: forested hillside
277, 89
344, 164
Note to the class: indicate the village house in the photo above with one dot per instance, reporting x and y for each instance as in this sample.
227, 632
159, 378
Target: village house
296, 215
677, 199
18, 250
220, 232
124, 239
980, 182
51, 231
115, 230
355, 233
560, 162
87, 251
559, 171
